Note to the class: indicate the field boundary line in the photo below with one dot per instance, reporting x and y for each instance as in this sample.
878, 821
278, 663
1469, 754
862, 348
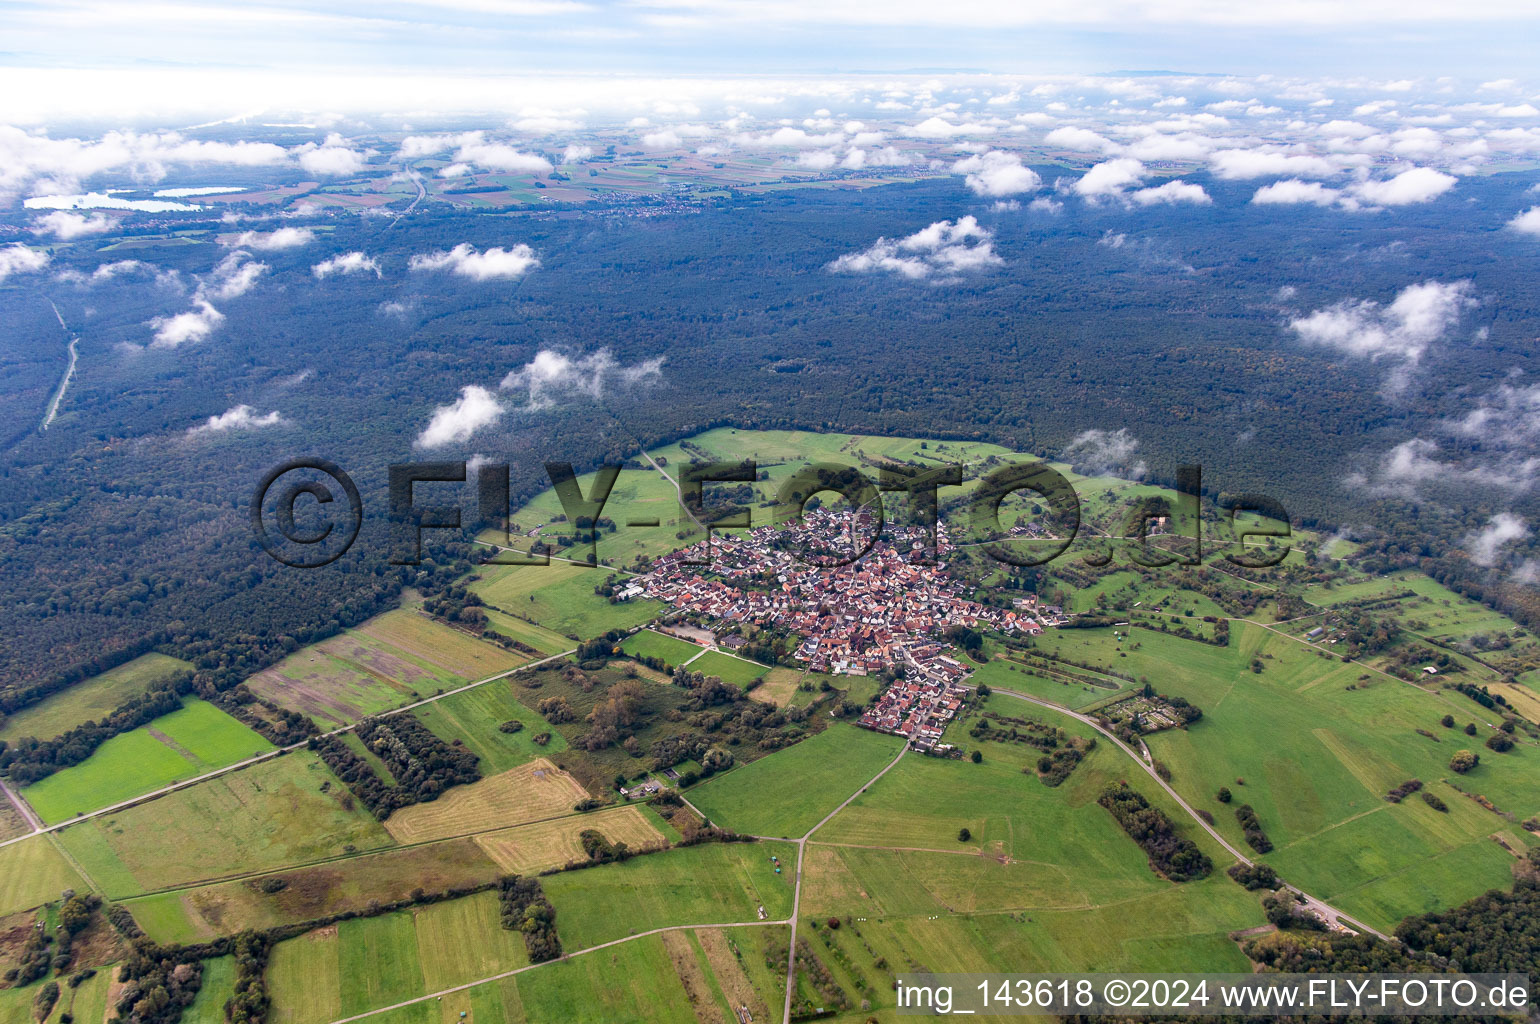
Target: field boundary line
145, 798
544, 963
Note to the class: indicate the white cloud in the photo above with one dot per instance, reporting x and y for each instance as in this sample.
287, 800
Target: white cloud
818, 160
1293, 191
1104, 453
1081, 140
1528, 222
1503, 528
496, 264
232, 277
1110, 178
66, 226
497, 156
552, 376
1045, 205
347, 263
941, 128
193, 326
997, 173
18, 259
576, 154
1177, 191
450, 424
240, 417
332, 159
944, 249
1241, 164
1420, 316
283, 238
1418, 185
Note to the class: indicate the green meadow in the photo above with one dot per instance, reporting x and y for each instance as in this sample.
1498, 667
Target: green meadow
287, 810
197, 739
738, 671
712, 883
561, 598
90, 699
649, 644
786, 793
33, 872
473, 717
1314, 745
366, 963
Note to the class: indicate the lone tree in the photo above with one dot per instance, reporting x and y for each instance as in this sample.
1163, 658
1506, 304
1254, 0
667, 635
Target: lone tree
976, 757
963, 835
1223, 795
1447, 721
1463, 761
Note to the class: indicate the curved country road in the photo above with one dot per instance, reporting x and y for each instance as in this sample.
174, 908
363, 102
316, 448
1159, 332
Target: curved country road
1332, 914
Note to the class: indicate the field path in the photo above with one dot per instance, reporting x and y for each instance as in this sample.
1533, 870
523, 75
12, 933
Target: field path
796, 895
1326, 910
26, 812
164, 790
565, 956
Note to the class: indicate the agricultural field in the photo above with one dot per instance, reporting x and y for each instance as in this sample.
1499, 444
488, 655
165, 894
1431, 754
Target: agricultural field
531, 792
649, 644
739, 672
778, 686
1338, 738
541, 639
367, 963
288, 810
90, 699
786, 793
582, 690
708, 884
309, 893
197, 739
474, 716
12, 824
560, 597
392, 660
530, 849
33, 872
1008, 674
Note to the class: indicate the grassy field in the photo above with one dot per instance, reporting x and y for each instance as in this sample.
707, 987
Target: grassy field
473, 718
530, 792
391, 660
310, 893
648, 644
90, 699
1318, 743
32, 872
707, 884
530, 849
779, 686
561, 597
217, 988
738, 671
786, 793
183, 744
1011, 675
541, 639
367, 963
288, 810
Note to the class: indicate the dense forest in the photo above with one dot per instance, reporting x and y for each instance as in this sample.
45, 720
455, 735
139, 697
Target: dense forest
120, 529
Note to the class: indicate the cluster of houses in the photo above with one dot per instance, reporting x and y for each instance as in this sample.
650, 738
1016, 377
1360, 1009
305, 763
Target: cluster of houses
889, 608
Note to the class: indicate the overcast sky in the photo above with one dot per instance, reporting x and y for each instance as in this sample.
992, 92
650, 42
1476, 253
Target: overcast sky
1482, 39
